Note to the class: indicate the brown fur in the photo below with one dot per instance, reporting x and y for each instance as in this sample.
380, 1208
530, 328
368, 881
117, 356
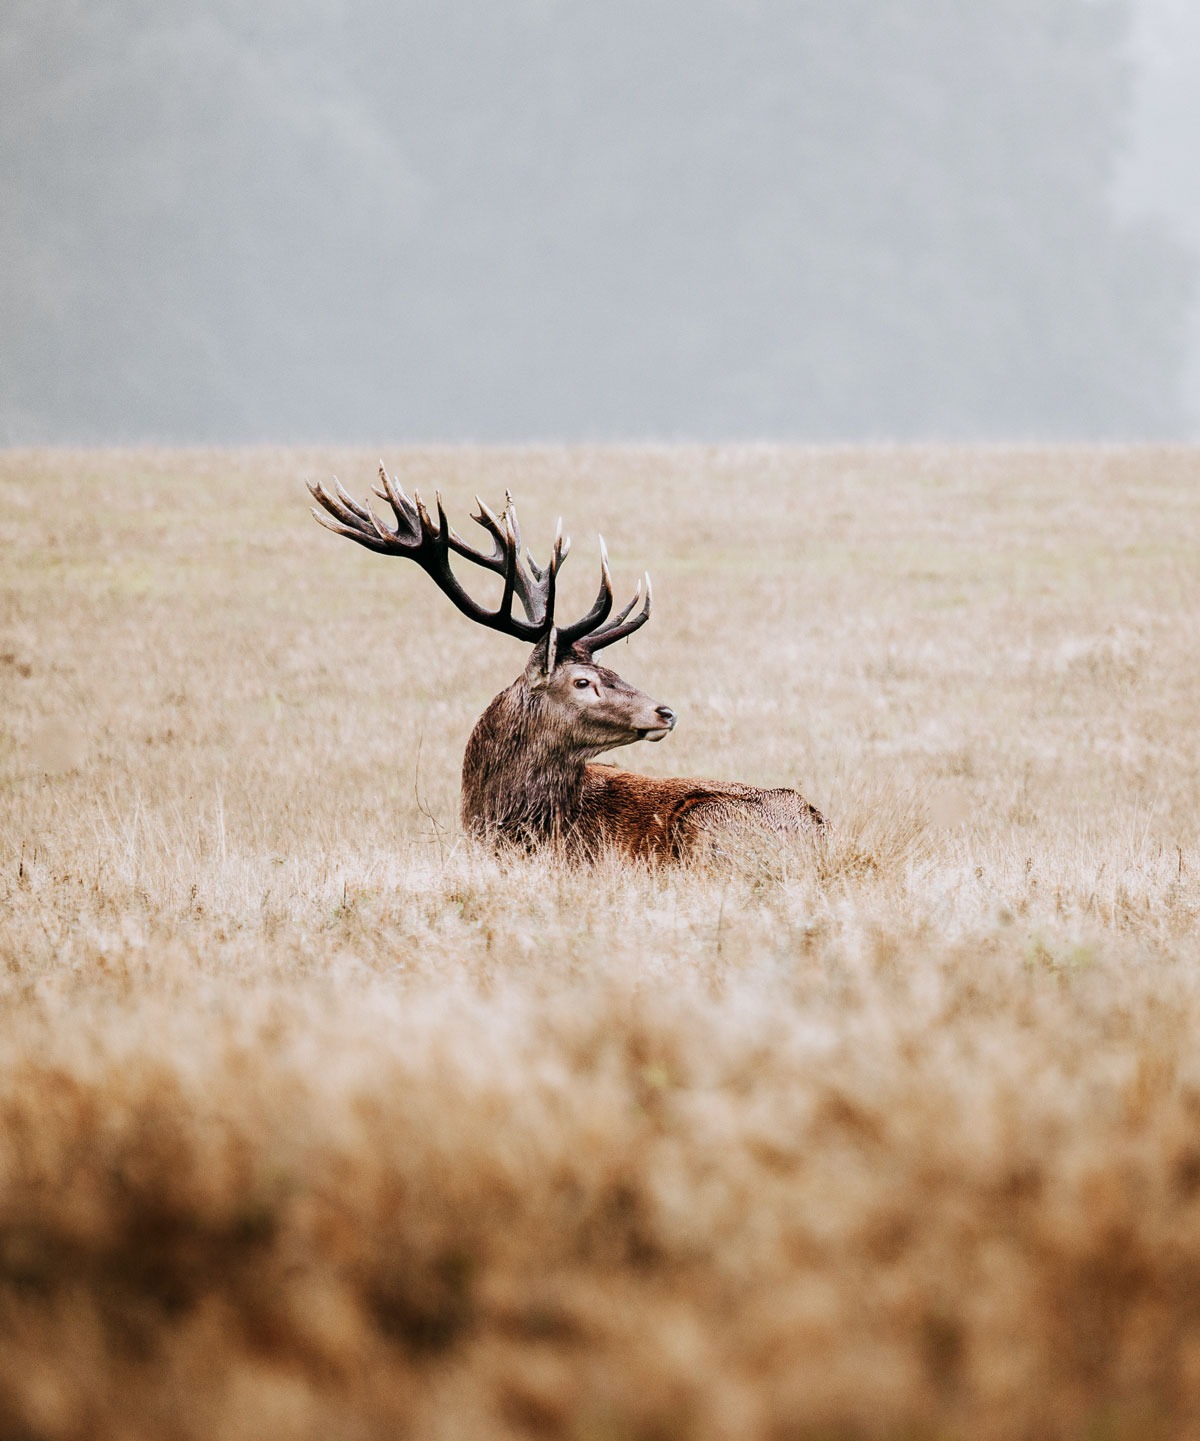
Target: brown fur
666, 816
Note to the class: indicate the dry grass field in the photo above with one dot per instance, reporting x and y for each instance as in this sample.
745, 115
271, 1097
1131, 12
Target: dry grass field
316, 1122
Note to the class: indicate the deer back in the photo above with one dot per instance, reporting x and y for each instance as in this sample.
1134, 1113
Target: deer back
667, 817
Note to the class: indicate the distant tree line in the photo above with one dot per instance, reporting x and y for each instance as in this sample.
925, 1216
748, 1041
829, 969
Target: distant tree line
707, 219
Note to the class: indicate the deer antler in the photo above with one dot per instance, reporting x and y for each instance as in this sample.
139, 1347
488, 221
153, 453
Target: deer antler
417, 536
595, 638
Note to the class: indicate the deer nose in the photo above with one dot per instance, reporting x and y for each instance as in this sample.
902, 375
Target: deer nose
666, 715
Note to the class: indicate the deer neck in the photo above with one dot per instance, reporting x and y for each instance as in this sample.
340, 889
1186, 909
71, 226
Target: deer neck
521, 780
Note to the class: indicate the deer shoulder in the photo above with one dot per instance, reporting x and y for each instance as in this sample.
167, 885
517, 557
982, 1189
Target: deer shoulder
529, 777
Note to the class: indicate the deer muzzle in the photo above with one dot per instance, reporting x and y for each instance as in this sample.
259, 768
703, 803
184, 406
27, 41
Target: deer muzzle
667, 716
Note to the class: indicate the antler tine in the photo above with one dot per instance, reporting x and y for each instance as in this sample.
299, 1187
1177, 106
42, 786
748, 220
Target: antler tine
490, 521
349, 520
402, 507
333, 525
512, 551
622, 627
620, 617
510, 511
551, 574
365, 513
454, 540
601, 607
331, 503
428, 530
443, 523
349, 502
392, 488
381, 530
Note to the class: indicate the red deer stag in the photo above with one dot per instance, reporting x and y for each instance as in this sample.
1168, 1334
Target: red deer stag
528, 773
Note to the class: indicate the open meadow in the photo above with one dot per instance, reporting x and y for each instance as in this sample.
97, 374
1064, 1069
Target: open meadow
319, 1124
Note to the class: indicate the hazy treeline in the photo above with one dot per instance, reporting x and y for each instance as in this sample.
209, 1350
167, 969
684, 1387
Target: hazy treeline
711, 219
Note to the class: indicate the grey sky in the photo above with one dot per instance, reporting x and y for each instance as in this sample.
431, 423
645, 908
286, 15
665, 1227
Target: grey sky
533, 219
1158, 174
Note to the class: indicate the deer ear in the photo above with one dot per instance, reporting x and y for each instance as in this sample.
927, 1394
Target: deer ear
540, 666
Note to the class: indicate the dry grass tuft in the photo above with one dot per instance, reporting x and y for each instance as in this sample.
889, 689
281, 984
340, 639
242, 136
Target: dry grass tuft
317, 1122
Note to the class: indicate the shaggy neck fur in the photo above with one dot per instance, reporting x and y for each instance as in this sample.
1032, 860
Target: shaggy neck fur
522, 775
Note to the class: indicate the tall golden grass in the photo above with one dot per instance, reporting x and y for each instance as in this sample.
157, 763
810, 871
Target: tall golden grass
316, 1122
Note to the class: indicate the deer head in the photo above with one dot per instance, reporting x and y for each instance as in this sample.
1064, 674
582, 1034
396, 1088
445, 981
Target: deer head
576, 708
591, 708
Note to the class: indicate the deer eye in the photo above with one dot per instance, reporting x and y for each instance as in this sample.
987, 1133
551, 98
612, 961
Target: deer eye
582, 682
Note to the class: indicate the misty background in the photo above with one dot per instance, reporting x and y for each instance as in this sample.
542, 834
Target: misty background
530, 219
